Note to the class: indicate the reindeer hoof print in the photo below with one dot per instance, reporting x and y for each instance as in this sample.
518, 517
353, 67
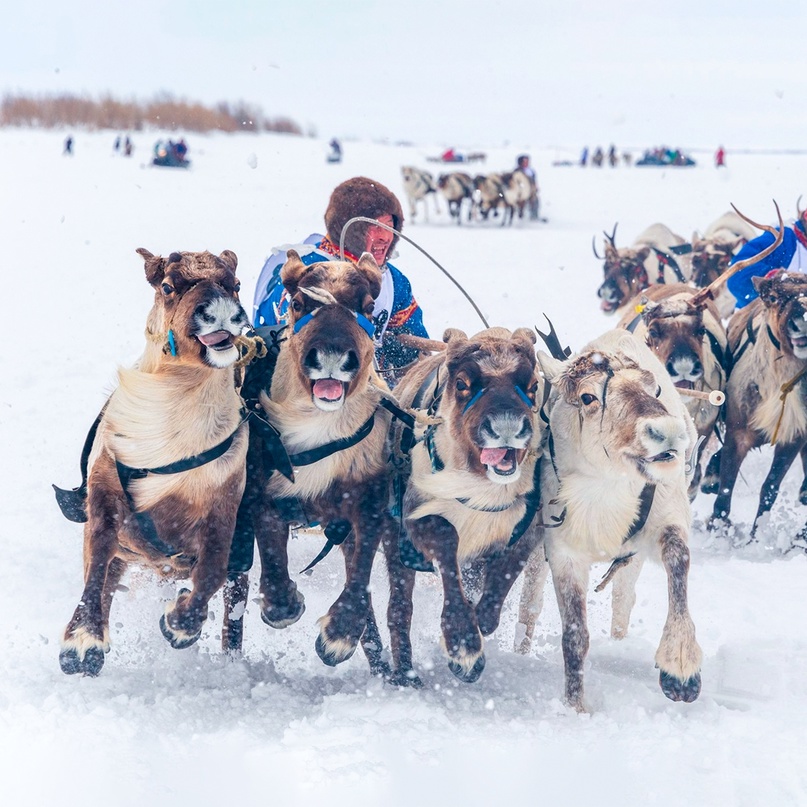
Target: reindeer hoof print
677, 690
280, 618
90, 665
468, 676
179, 641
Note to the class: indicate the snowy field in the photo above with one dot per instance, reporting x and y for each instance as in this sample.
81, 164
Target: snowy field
166, 727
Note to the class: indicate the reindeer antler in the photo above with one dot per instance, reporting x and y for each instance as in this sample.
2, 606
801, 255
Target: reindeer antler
594, 247
799, 211
611, 238
708, 292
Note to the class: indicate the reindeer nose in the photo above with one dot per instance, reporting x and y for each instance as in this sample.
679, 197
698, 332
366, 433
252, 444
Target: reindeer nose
351, 362
652, 433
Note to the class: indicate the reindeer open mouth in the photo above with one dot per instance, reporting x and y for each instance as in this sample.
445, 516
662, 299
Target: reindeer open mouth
328, 390
218, 340
797, 333
502, 461
684, 384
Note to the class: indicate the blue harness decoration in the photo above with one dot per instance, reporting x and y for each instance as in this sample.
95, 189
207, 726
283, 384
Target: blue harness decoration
365, 323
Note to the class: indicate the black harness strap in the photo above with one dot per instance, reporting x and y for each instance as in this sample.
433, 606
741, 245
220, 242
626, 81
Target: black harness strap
73, 503
313, 455
127, 474
733, 358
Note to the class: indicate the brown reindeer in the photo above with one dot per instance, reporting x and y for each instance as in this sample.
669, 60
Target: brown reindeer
766, 392
323, 405
690, 341
473, 488
616, 491
629, 270
456, 187
166, 471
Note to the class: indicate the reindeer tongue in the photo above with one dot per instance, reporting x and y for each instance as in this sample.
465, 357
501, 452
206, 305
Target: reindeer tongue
492, 456
215, 338
329, 389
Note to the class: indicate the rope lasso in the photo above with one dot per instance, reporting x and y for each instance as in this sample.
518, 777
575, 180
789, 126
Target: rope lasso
417, 247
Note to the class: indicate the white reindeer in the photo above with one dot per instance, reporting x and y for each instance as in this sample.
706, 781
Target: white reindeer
615, 490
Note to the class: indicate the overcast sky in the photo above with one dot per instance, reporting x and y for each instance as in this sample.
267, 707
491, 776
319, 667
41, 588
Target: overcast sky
690, 73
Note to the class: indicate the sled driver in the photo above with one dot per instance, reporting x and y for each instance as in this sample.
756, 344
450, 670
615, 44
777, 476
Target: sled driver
396, 311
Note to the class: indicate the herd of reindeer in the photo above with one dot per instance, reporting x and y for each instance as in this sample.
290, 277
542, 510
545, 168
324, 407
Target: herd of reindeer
490, 459
477, 198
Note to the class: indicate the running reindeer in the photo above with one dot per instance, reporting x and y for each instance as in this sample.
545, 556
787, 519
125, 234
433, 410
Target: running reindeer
166, 468
471, 490
318, 451
616, 490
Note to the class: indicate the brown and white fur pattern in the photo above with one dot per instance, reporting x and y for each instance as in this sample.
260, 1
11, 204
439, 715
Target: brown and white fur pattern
756, 408
166, 409
323, 389
690, 341
457, 187
712, 253
418, 186
629, 270
617, 425
489, 442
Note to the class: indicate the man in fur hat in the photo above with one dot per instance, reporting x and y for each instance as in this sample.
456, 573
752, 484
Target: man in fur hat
396, 310
790, 255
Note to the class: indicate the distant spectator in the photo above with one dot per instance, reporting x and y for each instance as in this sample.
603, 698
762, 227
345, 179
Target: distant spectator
584, 157
128, 148
720, 157
68, 145
612, 158
335, 155
181, 149
449, 156
116, 146
597, 158
523, 165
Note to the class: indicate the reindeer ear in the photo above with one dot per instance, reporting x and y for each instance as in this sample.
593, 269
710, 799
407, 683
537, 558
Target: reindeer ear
229, 259
550, 368
293, 269
155, 266
368, 266
453, 334
525, 334
641, 254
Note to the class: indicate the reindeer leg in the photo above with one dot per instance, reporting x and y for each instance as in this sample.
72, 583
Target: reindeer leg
399, 613
86, 637
281, 603
783, 456
738, 443
678, 656
571, 584
501, 572
236, 591
532, 600
623, 597
710, 482
341, 628
182, 622
438, 540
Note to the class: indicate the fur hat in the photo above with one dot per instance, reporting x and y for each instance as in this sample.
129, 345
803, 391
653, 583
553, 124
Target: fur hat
360, 196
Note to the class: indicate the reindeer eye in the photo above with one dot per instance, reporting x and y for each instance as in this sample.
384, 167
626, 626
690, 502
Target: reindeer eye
167, 289
237, 287
461, 386
296, 305
658, 392
587, 398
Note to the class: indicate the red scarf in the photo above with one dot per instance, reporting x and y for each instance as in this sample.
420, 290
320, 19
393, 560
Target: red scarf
326, 245
799, 233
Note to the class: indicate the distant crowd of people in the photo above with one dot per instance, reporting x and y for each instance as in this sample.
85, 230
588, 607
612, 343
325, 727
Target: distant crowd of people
599, 157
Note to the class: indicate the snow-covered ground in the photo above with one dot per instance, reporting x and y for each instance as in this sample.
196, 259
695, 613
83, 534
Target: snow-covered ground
161, 726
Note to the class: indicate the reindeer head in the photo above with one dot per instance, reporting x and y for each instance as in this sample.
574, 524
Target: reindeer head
625, 273
784, 297
610, 410
330, 310
710, 258
490, 399
196, 310
676, 333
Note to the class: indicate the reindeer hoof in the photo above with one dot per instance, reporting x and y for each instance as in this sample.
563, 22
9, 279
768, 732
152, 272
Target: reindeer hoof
677, 690
468, 676
333, 653
177, 639
90, 665
404, 678
281, 617
711, 484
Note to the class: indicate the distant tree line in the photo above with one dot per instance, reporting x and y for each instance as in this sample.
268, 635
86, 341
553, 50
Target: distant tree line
162, 112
